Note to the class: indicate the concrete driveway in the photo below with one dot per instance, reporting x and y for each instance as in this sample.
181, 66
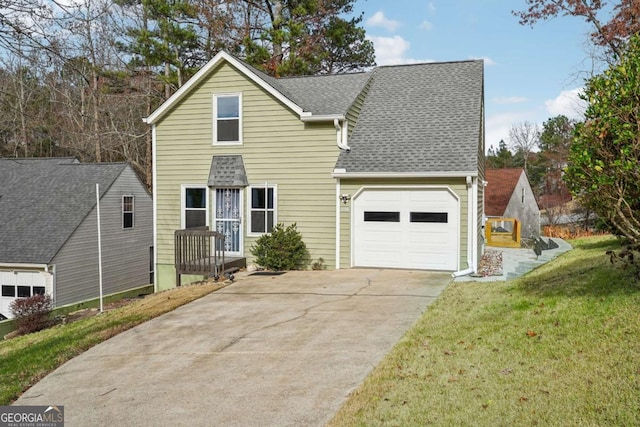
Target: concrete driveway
265, 351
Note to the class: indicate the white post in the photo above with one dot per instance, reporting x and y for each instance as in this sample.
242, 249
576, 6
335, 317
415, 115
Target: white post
99, 244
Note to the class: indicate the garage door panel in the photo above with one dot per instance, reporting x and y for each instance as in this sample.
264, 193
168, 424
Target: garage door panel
426, 239
436, 239
15, 283
376, 259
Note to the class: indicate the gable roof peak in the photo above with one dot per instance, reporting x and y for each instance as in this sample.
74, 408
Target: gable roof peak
320, 96
44, 201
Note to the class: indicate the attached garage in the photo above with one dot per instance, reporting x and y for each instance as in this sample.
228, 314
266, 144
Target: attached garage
415, 228
17, 283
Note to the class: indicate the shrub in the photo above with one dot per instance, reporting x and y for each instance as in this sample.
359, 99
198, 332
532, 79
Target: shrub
282, 249
32, 313
319, 264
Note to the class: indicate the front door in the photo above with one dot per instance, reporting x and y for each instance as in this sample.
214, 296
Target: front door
228, 218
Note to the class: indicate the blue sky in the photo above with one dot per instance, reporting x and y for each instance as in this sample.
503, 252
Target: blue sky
531, 74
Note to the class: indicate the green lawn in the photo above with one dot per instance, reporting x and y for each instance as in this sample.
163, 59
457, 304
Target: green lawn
559, 346
25, 360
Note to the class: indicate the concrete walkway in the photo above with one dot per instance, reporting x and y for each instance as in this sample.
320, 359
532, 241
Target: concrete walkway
265, 351
519, 261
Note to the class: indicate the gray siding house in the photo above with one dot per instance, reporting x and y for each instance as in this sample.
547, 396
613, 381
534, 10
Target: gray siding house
508, 194
49, 236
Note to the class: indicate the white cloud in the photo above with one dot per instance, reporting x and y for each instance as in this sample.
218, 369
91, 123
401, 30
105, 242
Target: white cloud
487, 61
509, 100
379, 20
567, 103
392, 50
426, 25
498, 125
432, 7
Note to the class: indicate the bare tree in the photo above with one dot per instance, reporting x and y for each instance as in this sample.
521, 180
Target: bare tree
524, 137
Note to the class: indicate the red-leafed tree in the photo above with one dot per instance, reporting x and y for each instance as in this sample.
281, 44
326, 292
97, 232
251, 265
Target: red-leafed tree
612, 24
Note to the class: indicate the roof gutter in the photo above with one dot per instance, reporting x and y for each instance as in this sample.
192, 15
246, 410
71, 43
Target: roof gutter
321, 118
18, 266
342, 173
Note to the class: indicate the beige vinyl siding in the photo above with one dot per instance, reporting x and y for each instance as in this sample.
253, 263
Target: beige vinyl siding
278, 148
125, 252
351, 186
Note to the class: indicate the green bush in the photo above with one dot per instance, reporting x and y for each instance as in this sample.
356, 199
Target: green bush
32, 314
282, 249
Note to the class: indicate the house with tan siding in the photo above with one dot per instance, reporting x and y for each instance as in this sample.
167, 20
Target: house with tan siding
378, 169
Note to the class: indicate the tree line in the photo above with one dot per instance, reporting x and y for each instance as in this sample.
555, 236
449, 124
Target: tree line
602, 157
78, 76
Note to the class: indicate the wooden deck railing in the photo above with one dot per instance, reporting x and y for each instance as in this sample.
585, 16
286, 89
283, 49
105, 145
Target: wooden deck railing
199, 251
503, 232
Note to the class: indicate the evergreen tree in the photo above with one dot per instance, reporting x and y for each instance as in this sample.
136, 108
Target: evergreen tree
302, 37
500, 158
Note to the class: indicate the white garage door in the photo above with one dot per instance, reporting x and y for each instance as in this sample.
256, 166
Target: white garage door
20, 284
406, 228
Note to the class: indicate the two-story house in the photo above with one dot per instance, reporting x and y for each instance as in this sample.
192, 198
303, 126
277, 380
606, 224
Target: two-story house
377, 169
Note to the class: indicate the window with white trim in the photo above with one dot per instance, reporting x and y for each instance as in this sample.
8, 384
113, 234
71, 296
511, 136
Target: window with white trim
22, 291
127, 211
194, 206
262, 209
227, 118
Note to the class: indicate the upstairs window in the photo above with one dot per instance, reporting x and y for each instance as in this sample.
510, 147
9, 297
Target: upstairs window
127, 211
227, 112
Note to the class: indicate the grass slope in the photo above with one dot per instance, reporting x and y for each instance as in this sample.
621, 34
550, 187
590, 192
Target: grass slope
558, 346
27, 359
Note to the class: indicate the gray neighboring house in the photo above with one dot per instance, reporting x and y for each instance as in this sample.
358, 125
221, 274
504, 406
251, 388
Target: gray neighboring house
508, 194
48, 229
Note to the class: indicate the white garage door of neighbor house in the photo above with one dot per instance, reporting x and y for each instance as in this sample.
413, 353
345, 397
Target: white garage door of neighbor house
19, 284
406, 228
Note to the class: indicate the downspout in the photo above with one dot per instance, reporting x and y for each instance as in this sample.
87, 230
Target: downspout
341, 135
470, 233
154, 200
51, 269
341, 142
337, 223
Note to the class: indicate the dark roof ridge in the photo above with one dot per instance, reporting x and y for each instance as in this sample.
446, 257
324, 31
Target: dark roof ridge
459, 61
20, 159
323, 75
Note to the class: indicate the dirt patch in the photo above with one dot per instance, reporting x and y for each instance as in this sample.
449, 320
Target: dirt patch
90, 312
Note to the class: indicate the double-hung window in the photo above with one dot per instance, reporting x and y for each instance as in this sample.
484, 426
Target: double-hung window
194, 206
127, 211
262, 209
227, 118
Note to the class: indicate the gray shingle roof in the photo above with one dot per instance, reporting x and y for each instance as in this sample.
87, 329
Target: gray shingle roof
42, 201
227, 171
421, 118
320, 94
326, 94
